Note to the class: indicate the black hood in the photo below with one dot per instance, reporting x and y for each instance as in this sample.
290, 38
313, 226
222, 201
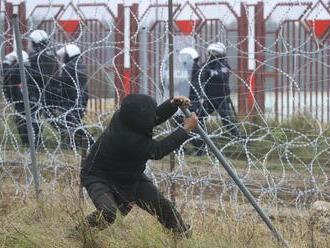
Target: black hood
138, 112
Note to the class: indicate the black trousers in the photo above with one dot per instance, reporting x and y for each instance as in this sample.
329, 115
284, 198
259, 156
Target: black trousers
223, 106
67, 119
20, 120
147, 197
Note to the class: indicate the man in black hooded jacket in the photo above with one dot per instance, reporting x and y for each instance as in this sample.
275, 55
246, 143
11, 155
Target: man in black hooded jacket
114, 172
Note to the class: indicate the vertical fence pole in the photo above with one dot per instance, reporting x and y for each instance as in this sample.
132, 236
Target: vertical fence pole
157, 52
243, 61
277, 62
171, 80
22, 21
260, 33
83, 147
35, 170
2, 28
127, 72
9, 9
134, 40
119, 55
144, 45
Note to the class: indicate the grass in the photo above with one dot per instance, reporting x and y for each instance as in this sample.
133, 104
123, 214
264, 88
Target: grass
50, 223
23, 223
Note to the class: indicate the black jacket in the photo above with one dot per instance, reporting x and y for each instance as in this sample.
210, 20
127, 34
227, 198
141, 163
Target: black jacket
195, 90
74, 84
11, 83
12, 86
121, 152
44, 68
215, 78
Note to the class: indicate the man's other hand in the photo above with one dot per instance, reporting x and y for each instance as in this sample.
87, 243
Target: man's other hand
190, 123
181, 101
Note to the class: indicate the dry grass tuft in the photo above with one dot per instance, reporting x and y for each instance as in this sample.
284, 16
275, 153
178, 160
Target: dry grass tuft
52, 222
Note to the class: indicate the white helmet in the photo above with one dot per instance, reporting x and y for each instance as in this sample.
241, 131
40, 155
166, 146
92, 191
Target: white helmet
190, 51
12, 58
39, 36
217, 49
71, 50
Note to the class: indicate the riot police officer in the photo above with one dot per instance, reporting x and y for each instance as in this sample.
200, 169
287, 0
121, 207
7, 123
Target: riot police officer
215, 79
195, 94
44, 68
74, 92
12, 90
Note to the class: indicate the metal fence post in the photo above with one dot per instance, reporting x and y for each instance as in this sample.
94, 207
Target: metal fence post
83, 147
2, 29
171, 81
144, 45
243, 61
9, 9
260, 56
237, 181
119, 55
22, 21
134, 40
35, 170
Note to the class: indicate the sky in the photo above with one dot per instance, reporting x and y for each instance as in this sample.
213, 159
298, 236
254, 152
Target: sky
235, 3
143, 4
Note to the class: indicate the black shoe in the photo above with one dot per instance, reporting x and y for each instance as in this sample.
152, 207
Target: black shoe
95, 219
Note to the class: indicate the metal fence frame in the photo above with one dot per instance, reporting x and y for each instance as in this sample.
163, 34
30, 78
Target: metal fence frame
251, 84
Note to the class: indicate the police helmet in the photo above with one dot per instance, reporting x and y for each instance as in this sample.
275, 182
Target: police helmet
217, 49
39, 37
190, 51
69, 50
12, 58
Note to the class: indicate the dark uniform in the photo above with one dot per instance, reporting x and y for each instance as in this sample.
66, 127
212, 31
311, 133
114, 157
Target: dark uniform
114, 173
13, 92
75, 97
74, 87
215, 78
44, 67
195, 96
195, 89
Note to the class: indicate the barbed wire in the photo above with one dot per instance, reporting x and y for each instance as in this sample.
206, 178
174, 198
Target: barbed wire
281, 163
